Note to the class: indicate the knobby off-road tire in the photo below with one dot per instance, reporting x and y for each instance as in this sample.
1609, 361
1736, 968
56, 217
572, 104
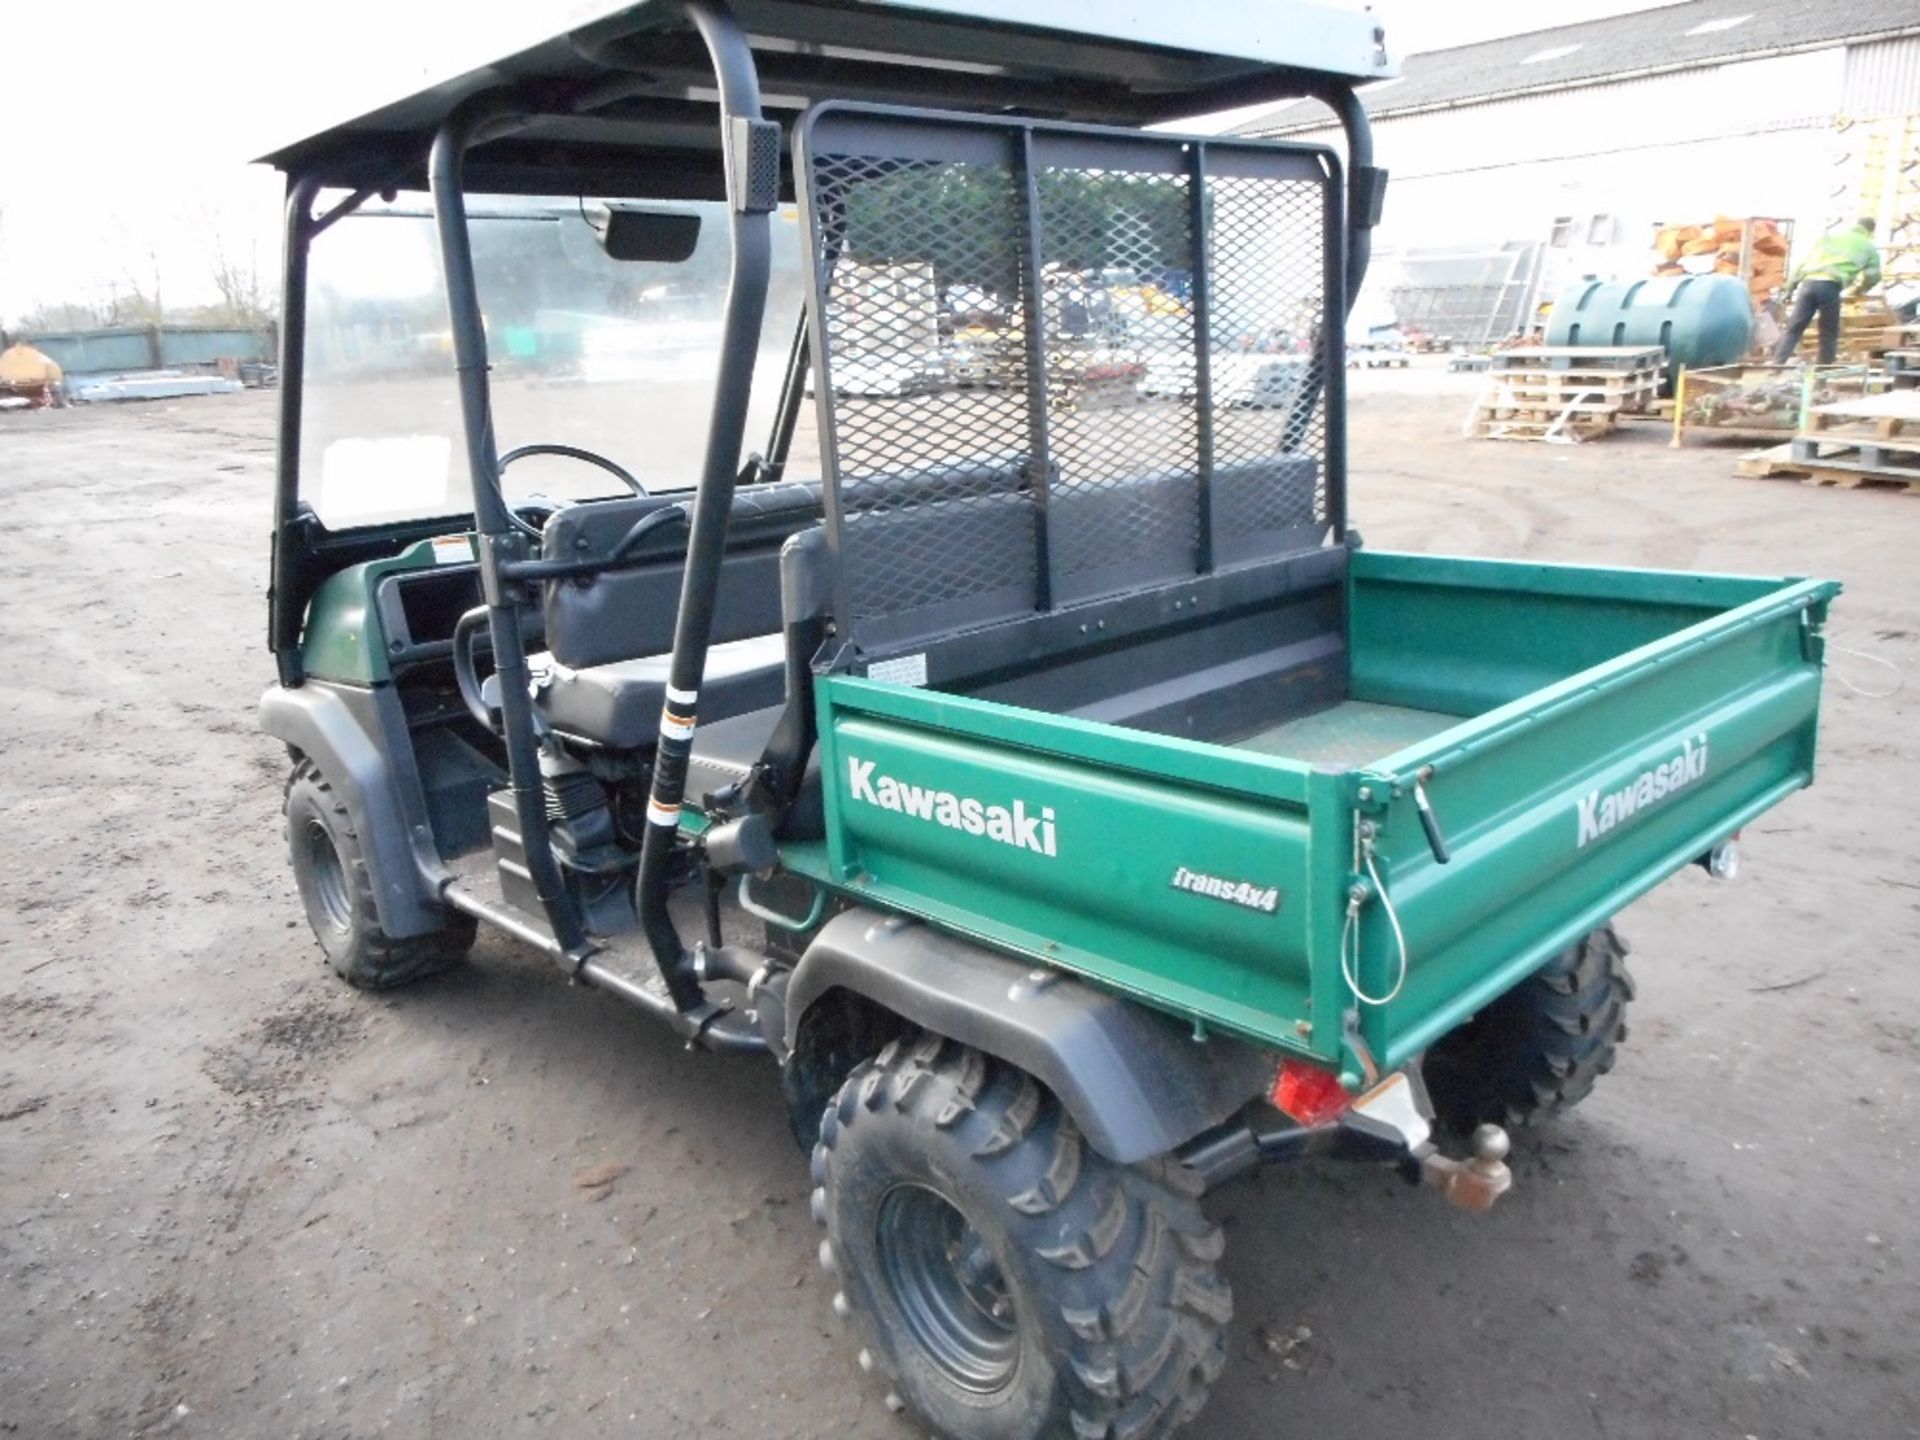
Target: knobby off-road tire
1538, 1049
337, 892
1009, 1282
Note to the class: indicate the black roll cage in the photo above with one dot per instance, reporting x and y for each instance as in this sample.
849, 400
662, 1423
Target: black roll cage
305, 552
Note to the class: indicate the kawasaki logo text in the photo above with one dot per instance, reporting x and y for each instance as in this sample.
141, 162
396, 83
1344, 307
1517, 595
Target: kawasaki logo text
1599, 811
1018, 826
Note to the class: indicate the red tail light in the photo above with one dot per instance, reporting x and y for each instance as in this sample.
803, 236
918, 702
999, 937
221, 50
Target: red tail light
1307, 1093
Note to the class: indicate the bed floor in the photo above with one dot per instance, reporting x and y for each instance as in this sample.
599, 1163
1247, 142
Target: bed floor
1351, 733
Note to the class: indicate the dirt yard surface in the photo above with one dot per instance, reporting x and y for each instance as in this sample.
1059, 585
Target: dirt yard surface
238, 1200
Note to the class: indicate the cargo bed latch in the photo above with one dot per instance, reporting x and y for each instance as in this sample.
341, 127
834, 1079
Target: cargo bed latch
1430, 822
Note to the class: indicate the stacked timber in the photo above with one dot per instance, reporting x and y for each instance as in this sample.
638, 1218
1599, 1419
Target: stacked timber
1753, 249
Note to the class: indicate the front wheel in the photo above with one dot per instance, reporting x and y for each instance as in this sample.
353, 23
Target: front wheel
336, 890
1010, 1282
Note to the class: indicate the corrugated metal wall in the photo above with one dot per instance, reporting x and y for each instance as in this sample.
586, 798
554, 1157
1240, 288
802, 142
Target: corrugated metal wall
1882, 79
209, 347
91, 352
82, 352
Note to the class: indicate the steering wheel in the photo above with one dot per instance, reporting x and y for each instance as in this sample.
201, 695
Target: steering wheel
565, 452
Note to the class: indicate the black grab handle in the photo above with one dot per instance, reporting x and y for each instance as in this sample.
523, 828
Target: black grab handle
1430, 822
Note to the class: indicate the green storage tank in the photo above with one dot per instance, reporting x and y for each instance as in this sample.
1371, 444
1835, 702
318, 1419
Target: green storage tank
1696, 319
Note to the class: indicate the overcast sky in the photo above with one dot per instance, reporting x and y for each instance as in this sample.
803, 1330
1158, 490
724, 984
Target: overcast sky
130, 122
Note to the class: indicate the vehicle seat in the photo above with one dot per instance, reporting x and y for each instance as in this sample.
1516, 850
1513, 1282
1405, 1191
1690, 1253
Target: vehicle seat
588, 683
618, 705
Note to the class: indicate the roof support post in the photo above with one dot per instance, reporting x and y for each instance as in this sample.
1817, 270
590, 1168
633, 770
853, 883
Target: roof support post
284, 607
500, 541
291, 571
1200, 267
1366, 186
1034, 314
752, 148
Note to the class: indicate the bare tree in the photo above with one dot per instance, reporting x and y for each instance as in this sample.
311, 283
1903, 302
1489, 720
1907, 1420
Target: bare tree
245, 298
135, 304
138, 261
60, 315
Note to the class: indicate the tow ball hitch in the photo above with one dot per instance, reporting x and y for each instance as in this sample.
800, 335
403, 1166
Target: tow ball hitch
1398, 1117
1390, 1123
1474, 1183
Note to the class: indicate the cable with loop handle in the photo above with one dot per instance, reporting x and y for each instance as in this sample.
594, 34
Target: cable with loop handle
1350, 938
1899, 677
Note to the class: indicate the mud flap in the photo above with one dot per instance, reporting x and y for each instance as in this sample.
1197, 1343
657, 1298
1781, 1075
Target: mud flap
317, 720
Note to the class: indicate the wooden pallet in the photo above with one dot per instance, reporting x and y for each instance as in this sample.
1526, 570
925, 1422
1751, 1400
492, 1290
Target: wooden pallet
1499, 416
1564, 393
1861, 347
1555, 428
1587, 360
1870, 457
1533, 389
1574, 399
1613, 380
1499, 400
1781, 463
1560, 375
1888, 422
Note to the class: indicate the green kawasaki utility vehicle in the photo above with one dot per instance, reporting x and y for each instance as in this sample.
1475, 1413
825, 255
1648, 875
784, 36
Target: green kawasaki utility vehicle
1020, 749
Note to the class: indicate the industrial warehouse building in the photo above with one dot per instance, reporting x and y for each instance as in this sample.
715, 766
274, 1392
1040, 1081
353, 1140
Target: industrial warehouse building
1524, 163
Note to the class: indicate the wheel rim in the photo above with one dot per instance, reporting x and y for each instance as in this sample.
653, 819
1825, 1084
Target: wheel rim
948, 1286
328, 878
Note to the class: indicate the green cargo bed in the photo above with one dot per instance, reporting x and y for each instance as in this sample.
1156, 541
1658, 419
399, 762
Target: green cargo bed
1584, 733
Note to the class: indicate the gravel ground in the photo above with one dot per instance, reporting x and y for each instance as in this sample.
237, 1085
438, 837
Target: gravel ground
238, 1200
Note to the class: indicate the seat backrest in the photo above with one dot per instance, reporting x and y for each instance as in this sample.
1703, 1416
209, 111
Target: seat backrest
624, 614
933, 569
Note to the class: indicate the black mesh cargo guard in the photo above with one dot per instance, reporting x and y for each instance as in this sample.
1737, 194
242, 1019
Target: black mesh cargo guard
1058, 362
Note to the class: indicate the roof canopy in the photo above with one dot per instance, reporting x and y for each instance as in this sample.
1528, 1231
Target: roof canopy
629, 104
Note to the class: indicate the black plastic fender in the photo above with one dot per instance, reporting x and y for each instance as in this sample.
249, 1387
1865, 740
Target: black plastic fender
1136, 1081
336, 727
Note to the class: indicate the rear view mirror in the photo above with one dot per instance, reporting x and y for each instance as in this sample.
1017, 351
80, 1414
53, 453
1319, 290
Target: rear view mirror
662, 237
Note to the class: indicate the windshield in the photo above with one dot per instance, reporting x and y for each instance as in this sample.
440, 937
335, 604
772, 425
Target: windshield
614, 356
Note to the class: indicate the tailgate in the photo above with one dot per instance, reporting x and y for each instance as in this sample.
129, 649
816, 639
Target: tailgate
1564, 806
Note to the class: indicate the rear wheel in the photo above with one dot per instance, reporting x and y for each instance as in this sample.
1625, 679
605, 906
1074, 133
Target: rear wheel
337, 891
1011, 1283
1539, 1048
